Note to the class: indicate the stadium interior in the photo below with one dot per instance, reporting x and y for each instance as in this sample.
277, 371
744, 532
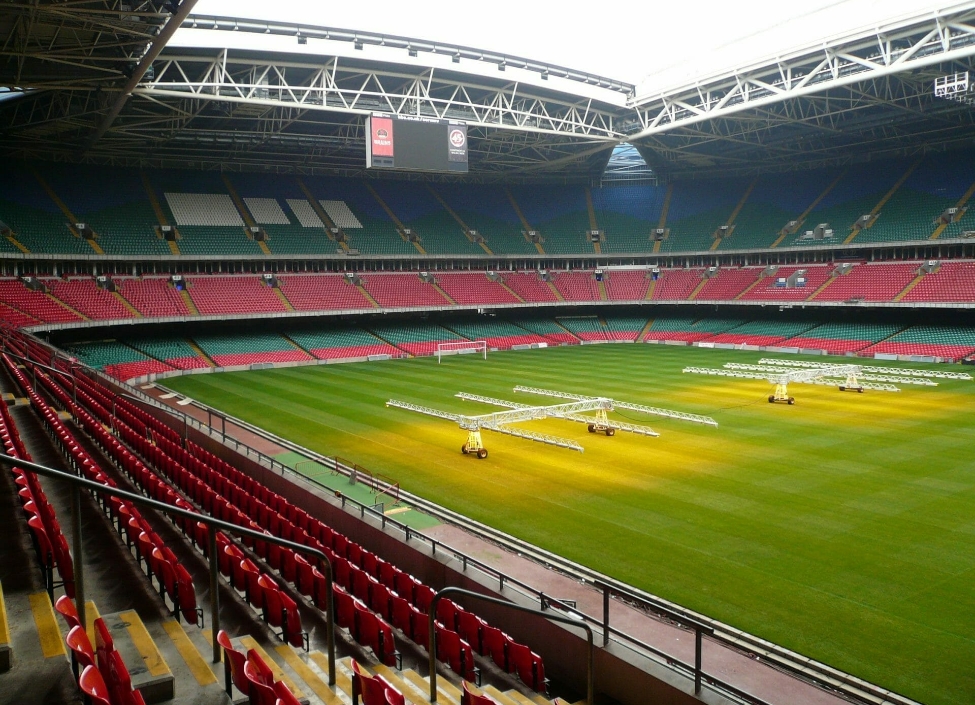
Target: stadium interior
202, 205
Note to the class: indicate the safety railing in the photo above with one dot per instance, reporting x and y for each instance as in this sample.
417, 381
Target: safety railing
77, 483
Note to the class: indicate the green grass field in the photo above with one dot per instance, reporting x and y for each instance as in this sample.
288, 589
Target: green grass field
842, 527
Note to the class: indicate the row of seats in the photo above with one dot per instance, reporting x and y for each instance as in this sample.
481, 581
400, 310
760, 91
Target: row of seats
252, 676
105, 679
50, 544
249, 294
368, 590
173, 579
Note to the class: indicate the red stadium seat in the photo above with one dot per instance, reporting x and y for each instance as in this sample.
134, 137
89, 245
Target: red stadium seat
467, 697
233, 662
93, 686
528, 665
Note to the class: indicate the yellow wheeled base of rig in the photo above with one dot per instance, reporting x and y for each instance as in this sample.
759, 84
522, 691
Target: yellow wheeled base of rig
474, 445
601, 424
781, 394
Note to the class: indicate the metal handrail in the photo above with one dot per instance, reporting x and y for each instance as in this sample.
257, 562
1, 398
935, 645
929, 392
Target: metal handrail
212, 524
432, 653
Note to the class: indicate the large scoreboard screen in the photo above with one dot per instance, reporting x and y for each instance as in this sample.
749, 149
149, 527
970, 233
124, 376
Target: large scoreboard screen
415, 143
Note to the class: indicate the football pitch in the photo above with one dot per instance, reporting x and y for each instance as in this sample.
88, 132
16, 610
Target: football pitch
842, 527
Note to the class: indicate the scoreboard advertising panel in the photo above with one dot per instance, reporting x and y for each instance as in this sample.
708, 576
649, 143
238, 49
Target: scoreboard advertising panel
415, 143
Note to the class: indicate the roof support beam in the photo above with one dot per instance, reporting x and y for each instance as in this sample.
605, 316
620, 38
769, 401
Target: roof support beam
185, 8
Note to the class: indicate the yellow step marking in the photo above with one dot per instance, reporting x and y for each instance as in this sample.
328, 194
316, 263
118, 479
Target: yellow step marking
4, 625
304, 671
555, 291
194, 659
265, 249
805, 214
52, 644
173, 247
398, 510
941, 227
445, 689
412, 693
656, 245
91, 614
697, 289
887, 196
498, 695
18, 244
521, 699
279, 675
910, 285
147, 648
342, 680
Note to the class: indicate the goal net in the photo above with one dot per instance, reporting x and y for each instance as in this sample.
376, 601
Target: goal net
461, 347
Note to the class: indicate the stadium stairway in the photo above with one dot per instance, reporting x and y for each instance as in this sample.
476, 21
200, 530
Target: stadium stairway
524, 222
812, 206
400, 227
960, 204
155, 647
875, 211
734, 214
460, 221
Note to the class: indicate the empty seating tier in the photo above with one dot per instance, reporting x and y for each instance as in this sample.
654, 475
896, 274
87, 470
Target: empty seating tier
235, 294
249, 348
322, 292
838, 338
936, 341
340, 343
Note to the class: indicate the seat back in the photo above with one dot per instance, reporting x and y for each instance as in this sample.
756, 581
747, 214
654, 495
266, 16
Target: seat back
104, 644
260, 692
469, 627
82, 654
93, 685
527, 664
344, 610
469, 697
65, 607
234, 664
495, 643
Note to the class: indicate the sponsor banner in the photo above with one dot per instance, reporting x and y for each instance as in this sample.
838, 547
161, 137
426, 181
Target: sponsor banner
381, 136
457, 143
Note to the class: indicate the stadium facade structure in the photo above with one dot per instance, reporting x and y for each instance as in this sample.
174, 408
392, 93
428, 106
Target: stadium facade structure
230, 105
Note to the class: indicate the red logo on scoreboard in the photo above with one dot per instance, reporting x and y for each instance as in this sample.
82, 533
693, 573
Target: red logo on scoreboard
457, 138
382, 137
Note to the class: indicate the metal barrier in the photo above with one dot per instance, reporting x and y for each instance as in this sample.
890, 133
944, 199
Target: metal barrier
77, 483
432, 652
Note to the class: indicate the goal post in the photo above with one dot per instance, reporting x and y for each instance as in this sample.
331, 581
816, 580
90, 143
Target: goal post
461, 347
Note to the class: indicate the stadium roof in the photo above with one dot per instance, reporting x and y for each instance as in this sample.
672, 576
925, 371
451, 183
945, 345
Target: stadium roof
100, 84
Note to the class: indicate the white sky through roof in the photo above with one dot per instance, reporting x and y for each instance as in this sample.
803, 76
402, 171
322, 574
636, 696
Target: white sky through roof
653, 45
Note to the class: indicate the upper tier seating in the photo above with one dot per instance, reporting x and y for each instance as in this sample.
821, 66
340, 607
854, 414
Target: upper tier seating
35, 304
474, 288
113, 202
576, 286
84, 296
235, 294
153, 296
728, 283
676, 284
954, 281
321, 292
627, 214
488, 211
871, 282
402, 290
529, 287
770, 289
117, 205
559, 213
626, 284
